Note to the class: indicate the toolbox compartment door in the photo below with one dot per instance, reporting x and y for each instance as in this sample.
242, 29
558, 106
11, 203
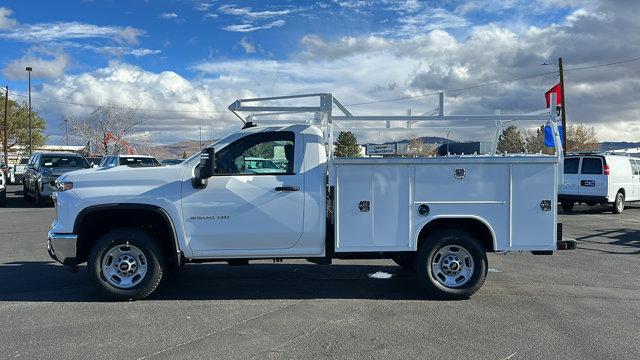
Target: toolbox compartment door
372, 208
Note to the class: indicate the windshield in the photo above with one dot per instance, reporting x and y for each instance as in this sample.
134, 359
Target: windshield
139, 161
24, 161
50, 161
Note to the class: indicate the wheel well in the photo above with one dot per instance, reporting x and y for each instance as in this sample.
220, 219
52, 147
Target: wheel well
93, 224
473, 227
621, 190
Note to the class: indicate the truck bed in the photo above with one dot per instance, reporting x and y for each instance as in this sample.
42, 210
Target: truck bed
377, 199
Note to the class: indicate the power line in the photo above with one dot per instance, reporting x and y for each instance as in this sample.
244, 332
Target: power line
122, 107
492, 83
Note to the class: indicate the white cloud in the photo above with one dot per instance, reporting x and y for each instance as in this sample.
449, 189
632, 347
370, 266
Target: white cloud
248, 13
203, 6
6, 22
250, 28
45, 64
247, 46
170, 15
57, 31
197, 103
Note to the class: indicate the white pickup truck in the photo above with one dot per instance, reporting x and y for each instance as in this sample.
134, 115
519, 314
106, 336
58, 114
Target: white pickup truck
438, 216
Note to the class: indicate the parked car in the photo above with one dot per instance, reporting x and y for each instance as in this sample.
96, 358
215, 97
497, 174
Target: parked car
19, 168
168, 162
600, 179
437, 216
130, 160
42, 171
3, 189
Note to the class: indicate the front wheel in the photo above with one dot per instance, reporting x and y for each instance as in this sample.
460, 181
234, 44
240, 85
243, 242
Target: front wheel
25, 192
126, 264
451, 264
3, 197
618, 205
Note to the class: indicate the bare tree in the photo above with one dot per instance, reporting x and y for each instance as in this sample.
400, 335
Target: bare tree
106, 128
581, 137
417, 148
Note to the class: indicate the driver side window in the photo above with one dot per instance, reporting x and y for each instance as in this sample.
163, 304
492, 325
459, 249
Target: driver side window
268, 153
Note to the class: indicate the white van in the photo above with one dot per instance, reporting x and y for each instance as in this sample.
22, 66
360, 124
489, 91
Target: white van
600, 179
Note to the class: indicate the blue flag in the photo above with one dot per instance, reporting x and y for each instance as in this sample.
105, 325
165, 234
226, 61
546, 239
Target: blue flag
548, 136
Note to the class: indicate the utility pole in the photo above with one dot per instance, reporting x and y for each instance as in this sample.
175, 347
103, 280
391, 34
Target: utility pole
5, 147
28, 69
563, 114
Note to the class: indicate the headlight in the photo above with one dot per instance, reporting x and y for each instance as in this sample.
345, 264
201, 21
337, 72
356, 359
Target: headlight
63, 185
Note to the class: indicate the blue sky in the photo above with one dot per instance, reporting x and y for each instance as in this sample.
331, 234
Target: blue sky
151, 52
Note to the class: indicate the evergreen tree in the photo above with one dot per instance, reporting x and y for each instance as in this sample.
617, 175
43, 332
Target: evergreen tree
184, 154
511, 141
346, 145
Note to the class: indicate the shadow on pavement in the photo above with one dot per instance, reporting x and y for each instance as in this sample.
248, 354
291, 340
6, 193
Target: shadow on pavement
48, 281
628, 239
15, 199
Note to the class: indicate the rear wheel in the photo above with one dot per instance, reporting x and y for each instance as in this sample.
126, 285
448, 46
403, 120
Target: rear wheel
567, 205
618, 205
126, 264
3, 197
451, 264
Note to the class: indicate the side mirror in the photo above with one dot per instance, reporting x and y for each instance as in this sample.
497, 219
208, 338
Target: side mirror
205, 169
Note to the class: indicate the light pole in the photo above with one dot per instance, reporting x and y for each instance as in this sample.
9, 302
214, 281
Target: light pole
28, 69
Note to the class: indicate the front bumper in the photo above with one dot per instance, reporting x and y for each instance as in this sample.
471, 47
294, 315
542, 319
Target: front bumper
62, 248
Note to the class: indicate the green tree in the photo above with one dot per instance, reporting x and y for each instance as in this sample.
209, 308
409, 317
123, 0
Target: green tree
18, 125
511, 141
534, 141
346, 145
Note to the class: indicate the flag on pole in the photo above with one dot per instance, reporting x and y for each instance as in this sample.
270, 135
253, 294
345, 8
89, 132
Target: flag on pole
548, 132
556, 90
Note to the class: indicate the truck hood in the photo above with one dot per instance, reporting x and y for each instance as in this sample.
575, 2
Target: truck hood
117, 174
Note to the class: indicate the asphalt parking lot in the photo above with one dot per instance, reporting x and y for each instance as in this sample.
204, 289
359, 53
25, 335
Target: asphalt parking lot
572, 305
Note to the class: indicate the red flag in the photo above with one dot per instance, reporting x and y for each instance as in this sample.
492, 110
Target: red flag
556, 90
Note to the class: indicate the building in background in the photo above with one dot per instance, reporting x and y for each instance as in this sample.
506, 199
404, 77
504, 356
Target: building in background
465, 148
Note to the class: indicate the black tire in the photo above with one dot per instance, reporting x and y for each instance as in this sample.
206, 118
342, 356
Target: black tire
428, 252
567, 205
618, 204
3, 197
142, 240
406, 261
25, 192
37, 198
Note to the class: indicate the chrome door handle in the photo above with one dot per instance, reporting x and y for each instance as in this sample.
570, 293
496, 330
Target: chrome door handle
287, 188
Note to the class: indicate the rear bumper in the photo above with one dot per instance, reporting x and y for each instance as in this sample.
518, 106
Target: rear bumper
62, 248
583, 198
